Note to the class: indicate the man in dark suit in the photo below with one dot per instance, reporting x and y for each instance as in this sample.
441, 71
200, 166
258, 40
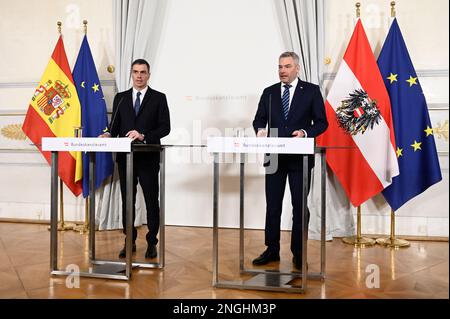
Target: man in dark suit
141, 114
292, 108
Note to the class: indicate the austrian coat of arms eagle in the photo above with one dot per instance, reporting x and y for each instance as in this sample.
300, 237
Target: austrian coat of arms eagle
358, 113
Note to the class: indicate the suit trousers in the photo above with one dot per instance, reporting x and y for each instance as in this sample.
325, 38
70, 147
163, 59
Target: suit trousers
147, 174
275, 185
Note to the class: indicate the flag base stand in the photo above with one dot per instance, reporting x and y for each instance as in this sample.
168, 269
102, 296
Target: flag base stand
393, 242
360, 242
82, 229
62, 225
65, 226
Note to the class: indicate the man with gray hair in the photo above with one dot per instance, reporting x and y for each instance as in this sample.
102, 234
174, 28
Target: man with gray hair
292, 108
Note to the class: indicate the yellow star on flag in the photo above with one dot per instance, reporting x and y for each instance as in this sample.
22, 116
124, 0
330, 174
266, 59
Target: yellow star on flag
95, 87
416, 145
392, 78
412, 81
429, 131
399, 152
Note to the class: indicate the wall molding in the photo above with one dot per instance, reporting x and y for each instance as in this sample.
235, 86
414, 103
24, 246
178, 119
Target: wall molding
26, 164
18, 150
11, 112
438, 106
431, 107
430, 73
424, 73
47, 222
24, 150
33, 85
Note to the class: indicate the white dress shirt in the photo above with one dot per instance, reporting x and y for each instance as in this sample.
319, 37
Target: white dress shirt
291, 95
291, 90
143, 91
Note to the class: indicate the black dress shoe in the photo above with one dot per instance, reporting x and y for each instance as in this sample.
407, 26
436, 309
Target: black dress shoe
151, 252
122, 253
266, 257
298, 263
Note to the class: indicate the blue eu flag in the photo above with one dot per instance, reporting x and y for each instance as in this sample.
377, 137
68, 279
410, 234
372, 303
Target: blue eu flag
94, 119
416, 149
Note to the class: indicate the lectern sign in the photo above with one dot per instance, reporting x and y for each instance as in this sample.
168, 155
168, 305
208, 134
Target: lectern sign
280, 145
86, 144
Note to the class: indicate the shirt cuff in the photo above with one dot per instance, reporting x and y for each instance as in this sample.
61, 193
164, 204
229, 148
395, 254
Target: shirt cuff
304, 132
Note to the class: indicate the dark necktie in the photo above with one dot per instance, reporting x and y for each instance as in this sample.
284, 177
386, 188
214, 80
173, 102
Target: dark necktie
285, 100
137, 103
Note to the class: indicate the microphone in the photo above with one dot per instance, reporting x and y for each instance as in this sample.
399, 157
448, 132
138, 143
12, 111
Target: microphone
115, 115
270, 115
267, 156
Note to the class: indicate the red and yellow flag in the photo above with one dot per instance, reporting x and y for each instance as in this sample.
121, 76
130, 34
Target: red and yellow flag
54, 111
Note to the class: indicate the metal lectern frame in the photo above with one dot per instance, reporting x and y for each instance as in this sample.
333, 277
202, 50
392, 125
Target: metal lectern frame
109, 269
129, 264
262, 277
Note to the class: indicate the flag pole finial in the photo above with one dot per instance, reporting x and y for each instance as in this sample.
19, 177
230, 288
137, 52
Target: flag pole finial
59, 24
85, 26
393, 9
358, 10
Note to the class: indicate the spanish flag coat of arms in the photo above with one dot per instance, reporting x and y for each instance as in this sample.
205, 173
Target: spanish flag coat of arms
55, 111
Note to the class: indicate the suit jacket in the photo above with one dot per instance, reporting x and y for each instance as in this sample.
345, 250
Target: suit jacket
153, 119
307, 112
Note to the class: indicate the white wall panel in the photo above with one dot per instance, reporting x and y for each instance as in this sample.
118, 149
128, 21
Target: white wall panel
213, 61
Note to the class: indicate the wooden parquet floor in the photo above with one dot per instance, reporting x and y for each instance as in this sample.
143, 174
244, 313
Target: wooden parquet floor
421, 271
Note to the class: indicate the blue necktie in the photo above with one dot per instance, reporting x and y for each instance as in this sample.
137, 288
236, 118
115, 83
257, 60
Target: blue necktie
285, 100
137, 103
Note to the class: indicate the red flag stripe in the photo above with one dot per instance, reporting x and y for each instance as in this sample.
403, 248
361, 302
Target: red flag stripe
368, 74
59, 56
368, 163
349, 165
35, 128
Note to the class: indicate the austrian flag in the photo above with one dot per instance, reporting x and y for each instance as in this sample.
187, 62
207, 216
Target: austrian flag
358, 112
360, 124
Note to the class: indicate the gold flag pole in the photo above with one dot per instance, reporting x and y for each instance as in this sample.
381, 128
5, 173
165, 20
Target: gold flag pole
61, 224
393, 242
84, 228
393, 9
358, 240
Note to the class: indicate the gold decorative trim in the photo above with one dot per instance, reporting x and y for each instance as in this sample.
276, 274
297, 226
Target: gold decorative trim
14, 132
441, 131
